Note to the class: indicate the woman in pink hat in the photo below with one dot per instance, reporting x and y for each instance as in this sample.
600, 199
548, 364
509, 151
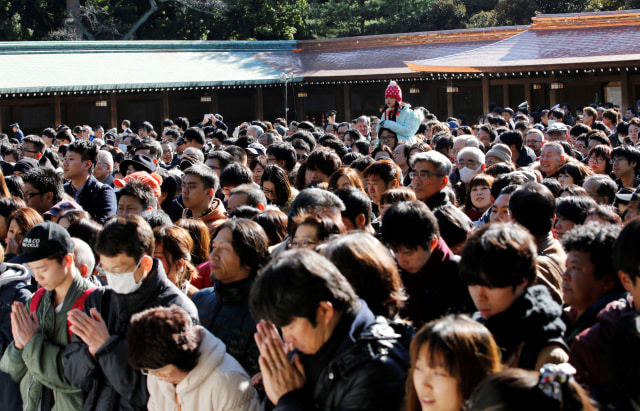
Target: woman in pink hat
398, 116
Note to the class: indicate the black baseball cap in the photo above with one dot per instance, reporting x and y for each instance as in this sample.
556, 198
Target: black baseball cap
42, 241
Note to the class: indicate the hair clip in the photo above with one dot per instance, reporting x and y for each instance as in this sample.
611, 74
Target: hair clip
552, 376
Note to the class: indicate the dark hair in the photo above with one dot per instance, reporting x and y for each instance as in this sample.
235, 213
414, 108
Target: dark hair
334, 144
235, 174
325, 227
604, 152
397, 195
294, 284
37, 141
350, 174
4, 190
45, 180
140, 191
249, 242
574, 208
512, 137
85, 229
576, 170
26, 218
254, 196
629, 153
131, 236
355, 202
477, 180
87, 149
533, 206
201, 239
194, 134
286, 152
387, 170
463, 347
73, 215
161, 336
361, 164
156, 218
517, 389
15, 185
414, 214
453, 225
370, 268
625, 251
181, 122
498, 255
606, 213
324, 160
597, 240
207, 176
280, 180
274, 223
10, 204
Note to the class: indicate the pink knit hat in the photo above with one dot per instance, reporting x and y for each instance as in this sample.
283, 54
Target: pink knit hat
393, 90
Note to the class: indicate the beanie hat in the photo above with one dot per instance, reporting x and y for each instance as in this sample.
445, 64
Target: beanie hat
393, 90
152, 180
501, 151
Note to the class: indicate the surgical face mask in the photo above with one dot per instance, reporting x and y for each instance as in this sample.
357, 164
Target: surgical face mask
551, 122
122, 283
621, 139
466, 174
122, 147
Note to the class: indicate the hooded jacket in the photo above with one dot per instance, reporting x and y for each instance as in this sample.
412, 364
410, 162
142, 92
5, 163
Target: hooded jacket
107, 380
39, 365
218, 382
405, 126
362, 366
529, 332
13, 287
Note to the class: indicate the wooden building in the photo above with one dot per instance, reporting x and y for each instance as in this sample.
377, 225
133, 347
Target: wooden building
574, 58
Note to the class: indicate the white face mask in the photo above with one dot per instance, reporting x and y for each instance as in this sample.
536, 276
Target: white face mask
551, 122
621, 139
122, 147
466, 174
123, 283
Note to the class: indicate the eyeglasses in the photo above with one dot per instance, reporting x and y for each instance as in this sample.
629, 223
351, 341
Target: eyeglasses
28, 196
616, 160
302, 244
104, 272
270, 192
423, 174
469, 163
599, 160
22, 150
146, 371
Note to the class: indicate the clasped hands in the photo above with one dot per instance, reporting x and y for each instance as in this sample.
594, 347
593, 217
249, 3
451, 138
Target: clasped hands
90, 329
279, 374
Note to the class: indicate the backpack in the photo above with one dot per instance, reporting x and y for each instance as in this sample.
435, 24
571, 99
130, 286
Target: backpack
79, 303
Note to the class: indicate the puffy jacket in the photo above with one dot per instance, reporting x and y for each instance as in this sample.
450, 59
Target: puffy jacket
96, 198
367, 370
13, 287
217, 382
213, 218
39, 365
107, 380
405, 126
224, 310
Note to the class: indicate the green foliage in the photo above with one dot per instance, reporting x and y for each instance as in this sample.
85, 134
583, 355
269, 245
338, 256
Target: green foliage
514, 12
564, 6
476, 6
604, 5
29, 20
483, 19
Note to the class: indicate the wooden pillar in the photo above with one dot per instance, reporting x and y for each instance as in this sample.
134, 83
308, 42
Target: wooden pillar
626, 89
165, 105
260, 103
57, 110
346, 95
527, 93
554, 96
486, 94
113, 107
449, 100
505, 95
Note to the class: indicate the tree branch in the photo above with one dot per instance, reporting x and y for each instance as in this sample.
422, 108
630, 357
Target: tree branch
142, 20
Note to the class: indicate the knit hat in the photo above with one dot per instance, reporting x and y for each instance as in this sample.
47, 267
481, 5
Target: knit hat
152, 180
501, 151
393, 90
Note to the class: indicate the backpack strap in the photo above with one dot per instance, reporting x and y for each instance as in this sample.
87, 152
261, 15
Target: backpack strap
79, 304
35, 300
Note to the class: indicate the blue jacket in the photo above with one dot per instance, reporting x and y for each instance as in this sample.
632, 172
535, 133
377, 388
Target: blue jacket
96, 198
13, 287
405, 126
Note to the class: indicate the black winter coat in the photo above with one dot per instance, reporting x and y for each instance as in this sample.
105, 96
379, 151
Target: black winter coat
224, 310
107, 380
365, 371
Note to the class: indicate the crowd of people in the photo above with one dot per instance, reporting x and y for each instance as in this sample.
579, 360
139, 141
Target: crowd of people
401, 263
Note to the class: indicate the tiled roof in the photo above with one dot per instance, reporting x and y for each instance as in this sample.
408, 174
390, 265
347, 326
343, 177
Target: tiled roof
382, 54
584, 40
